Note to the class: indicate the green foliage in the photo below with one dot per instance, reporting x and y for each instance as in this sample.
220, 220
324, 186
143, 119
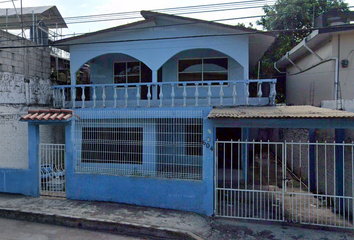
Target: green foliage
296, 14
250, 25
292, 15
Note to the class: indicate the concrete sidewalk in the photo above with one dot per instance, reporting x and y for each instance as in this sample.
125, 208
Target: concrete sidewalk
152, 223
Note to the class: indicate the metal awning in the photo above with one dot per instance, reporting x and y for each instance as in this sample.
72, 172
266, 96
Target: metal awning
50, 15
278, 112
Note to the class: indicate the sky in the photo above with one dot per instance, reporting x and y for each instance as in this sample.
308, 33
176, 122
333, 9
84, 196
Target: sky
74, 8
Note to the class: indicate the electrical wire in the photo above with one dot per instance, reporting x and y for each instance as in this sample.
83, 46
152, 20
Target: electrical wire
273, 32
218, 20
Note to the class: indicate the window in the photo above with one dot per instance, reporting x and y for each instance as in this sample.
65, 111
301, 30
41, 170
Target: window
113, 145
127, 72
206, 69
194, 139
149, 143
133, 72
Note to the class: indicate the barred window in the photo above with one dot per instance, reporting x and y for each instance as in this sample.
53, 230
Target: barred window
119, 145
159, 144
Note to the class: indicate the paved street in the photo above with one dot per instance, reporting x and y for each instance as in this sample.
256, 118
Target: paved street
22, 230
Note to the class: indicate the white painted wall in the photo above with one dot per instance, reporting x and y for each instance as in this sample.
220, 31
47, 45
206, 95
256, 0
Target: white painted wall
13, 105
13, 89
319, 80
14, 143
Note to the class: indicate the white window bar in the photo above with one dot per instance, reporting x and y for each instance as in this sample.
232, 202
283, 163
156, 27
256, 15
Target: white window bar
289, 181
146, 143
52, 170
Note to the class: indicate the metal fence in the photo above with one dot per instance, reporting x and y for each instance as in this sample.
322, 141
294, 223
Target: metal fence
162, 144
319, 189
52, 170
307, 183
248, 180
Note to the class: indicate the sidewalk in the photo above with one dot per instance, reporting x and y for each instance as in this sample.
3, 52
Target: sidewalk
152, 223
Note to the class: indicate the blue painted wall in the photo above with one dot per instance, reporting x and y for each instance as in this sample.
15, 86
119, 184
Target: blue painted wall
24, 181
101, 71
187, 195
154, 53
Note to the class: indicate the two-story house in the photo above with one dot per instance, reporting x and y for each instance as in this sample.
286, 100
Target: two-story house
167, 120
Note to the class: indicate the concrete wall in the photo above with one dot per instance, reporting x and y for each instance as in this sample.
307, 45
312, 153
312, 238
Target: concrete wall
326, 170
24, 85
34, 62
14, 144
317, 84
14, 90
318, 81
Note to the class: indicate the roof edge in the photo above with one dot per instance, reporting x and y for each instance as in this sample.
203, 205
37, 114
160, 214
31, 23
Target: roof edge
283, 62
152, 15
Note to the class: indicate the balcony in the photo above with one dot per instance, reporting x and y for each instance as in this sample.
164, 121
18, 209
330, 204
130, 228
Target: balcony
166, 94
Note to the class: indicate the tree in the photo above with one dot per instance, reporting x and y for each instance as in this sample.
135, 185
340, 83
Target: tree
290, 16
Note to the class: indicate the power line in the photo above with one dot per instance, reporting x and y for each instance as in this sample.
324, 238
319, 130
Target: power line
136, 14
180, 37
178, 9
218, 20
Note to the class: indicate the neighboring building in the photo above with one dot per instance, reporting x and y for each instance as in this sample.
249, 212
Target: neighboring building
165, 121
25, 83
319, 70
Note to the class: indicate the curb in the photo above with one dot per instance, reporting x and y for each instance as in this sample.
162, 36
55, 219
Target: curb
124, 228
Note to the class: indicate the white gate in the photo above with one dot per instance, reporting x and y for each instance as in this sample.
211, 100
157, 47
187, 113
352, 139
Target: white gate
308, 183
52, 170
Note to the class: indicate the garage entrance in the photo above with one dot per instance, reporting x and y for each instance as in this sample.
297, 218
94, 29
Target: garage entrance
307, 183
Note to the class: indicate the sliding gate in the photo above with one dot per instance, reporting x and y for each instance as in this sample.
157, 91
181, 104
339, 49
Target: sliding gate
308, 183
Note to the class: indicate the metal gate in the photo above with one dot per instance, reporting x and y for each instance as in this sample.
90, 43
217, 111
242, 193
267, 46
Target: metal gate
52, 170
308, 183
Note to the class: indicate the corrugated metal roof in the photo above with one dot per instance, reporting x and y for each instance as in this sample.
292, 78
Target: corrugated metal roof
50, 15
48, 115
278, 112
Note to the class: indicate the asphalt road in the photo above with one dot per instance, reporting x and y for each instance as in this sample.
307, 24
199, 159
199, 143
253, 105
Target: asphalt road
22, 230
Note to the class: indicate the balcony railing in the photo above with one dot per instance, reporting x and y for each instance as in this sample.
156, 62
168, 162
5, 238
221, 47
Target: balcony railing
166, 94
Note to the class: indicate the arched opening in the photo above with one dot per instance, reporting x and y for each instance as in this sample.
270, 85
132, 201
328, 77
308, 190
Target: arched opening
114, 68
201, 64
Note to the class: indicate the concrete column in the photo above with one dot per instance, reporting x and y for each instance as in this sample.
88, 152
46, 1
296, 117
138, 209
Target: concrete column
73, 78
208, 166
33, 157
154, 89
69, 158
